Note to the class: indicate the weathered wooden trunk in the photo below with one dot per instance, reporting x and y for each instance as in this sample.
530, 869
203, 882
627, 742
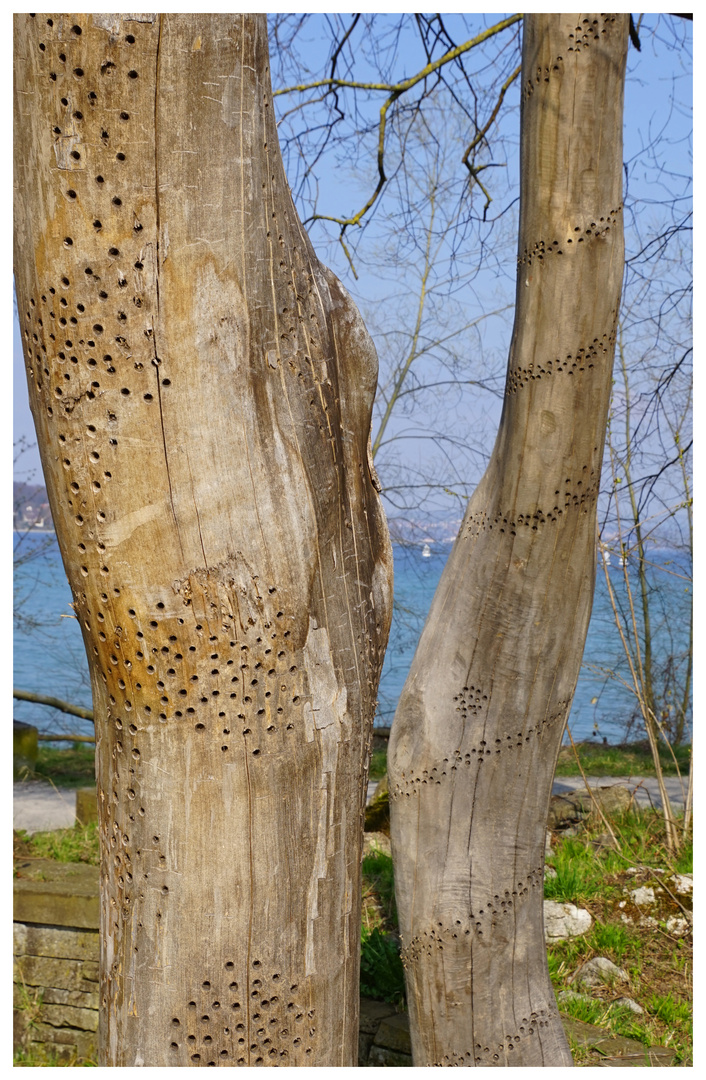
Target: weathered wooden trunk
202, 391
480, 721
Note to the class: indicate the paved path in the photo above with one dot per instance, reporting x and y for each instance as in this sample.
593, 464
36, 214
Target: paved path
38, 806
645, 788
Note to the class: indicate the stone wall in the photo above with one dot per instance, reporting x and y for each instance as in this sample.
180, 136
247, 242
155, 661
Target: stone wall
56, 951
55, 946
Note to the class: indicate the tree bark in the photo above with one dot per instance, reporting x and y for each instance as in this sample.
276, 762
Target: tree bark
479, 724
202, 391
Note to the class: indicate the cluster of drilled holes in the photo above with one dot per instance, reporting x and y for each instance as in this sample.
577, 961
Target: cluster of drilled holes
541, 249
588, 31
260, 666
218, 1028
470, 701
97, 329
542, 74
583, 360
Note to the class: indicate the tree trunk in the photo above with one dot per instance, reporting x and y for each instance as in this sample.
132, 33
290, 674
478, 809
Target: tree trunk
480, 721
202, 391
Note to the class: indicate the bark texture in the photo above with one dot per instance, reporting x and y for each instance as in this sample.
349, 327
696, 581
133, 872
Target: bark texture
202, 391
480, 721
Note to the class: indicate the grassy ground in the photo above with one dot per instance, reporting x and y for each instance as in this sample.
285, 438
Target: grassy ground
590, 875
657, 961
629, 759
68, 767
78, 844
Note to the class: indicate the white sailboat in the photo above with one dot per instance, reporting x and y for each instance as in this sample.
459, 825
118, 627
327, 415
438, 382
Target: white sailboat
426, 552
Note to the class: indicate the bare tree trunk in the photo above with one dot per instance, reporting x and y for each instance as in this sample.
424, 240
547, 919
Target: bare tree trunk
202, 390
480, 720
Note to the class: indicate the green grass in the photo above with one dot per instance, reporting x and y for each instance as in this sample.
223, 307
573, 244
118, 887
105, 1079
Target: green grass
28, 1059
659, 966
577, 879
78, 844
665, 1008
379, 885
615, 940
378, 764
627, 759
69, 767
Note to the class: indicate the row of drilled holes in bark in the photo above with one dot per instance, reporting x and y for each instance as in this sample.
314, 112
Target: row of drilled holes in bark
477, 755
440, 936
586, 32
542, 249
486, 1055
481, 521
583, 360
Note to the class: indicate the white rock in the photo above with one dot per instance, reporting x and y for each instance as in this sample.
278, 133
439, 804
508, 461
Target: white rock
643, 896
648, 922
549, 872
677, 926
622, 903
563, 921
599, 970
628, 1003
683, 883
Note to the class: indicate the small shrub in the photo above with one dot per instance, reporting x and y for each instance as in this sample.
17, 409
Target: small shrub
381, 972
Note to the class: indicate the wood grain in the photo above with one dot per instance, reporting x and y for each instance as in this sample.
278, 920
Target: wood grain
202, 390
480, 720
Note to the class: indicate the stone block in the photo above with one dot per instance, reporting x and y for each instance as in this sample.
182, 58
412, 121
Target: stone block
86, 805
67, 1044
598, 970
61, 973
563, 921
64, 1016
55, 941
380, 1056
364, 1044
82, 999
575, 807
616, 1050
377, 812
24, 749
393, 1034
372, 1013
56, 894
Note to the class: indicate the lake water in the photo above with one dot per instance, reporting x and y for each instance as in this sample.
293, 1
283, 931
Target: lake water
49, 658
